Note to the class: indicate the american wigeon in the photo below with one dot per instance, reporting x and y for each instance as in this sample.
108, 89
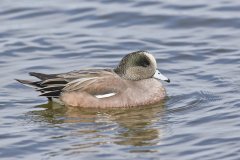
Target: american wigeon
132, 83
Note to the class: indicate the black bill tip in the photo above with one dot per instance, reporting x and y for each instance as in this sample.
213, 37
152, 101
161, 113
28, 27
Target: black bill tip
168, 80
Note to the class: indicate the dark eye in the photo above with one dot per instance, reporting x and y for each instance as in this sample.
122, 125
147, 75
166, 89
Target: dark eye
145, 64
143, 61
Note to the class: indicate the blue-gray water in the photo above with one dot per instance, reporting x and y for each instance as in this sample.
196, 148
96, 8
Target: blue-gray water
196, 44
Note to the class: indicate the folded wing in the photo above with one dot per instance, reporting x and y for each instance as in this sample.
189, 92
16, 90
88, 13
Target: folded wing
52, 85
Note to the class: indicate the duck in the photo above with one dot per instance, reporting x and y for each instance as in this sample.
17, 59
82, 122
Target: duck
134, 82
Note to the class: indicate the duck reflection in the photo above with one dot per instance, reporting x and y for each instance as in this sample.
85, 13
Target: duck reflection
128, 126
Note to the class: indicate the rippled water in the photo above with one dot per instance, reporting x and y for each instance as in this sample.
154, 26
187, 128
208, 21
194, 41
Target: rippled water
196, 44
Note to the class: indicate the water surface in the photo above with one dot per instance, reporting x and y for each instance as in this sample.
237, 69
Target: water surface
196, 44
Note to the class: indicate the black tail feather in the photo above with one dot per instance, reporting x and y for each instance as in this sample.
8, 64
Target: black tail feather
48, 91
42, 76
36, 84
49, 84
51, 88
51, 93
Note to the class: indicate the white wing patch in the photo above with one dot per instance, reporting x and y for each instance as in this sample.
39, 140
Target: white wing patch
105, 95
